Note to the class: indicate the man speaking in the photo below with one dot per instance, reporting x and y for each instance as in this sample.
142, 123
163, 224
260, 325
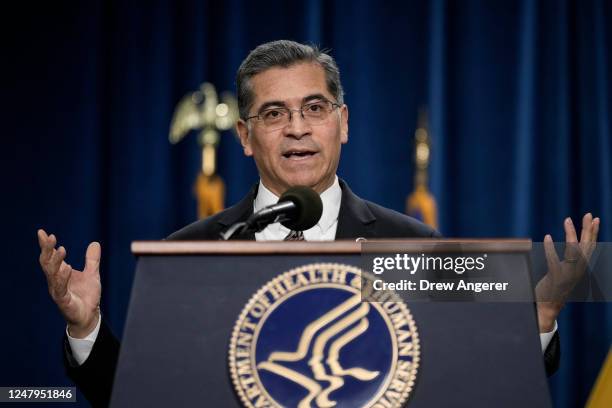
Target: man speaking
293, 122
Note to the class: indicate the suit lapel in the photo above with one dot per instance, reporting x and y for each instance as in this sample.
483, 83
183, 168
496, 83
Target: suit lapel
239, 213
355, 218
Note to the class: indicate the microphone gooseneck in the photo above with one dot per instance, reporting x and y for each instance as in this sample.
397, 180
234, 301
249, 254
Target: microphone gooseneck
299, 208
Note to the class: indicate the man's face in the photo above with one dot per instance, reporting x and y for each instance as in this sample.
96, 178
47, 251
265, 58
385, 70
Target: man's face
299, 153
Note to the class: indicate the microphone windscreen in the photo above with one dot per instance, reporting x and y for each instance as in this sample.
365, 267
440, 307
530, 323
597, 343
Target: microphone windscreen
309, 207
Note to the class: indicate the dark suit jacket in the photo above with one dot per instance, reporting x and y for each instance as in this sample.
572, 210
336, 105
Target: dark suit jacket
357, 218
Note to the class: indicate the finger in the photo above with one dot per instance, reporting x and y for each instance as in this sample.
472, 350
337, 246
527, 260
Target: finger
587, 226
588, 247
42, 237
45, 250
47, 245
570, 230
595, 230
571, 241
552, 260
55, 262
60, 282
92, 258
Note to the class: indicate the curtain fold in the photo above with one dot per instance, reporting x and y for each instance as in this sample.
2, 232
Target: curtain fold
518, 96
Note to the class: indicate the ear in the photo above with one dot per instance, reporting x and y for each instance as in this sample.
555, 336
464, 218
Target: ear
344, 113
242, 128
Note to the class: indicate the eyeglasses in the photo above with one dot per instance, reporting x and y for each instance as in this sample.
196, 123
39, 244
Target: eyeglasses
313, 113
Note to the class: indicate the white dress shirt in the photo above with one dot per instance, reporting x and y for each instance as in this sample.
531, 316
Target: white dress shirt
325, 230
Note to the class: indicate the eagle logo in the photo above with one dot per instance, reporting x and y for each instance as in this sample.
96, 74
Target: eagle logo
308, 339
317, 335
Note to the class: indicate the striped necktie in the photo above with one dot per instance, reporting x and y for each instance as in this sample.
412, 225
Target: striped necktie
295, 236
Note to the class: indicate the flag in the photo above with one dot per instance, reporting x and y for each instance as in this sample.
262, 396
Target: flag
421, 204
210, 193
601, 395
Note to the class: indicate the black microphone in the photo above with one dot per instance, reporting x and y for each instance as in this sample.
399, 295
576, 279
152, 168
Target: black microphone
299, 209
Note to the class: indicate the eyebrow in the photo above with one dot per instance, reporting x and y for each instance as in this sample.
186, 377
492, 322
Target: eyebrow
305, 100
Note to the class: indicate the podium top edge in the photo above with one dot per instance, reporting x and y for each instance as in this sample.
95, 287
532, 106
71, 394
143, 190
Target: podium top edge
143, 248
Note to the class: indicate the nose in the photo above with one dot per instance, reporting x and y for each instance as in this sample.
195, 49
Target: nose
297, 127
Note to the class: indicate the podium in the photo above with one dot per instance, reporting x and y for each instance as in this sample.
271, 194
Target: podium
187, 297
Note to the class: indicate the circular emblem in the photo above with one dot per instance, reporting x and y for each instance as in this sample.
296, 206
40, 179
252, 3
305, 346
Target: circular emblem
306, 339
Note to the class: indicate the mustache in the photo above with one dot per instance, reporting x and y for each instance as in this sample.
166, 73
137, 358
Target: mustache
306, 146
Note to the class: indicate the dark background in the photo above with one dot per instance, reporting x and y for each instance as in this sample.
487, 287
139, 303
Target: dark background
518, 92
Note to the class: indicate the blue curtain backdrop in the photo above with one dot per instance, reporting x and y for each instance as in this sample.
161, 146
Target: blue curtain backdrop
519, 95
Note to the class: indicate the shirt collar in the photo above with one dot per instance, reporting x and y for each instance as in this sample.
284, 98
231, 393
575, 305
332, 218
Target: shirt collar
331, 203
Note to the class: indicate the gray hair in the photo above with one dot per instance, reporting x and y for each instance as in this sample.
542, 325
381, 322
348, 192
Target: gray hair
283, 53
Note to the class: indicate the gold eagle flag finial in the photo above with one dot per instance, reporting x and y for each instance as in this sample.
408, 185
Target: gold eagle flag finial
421, 204
201, 110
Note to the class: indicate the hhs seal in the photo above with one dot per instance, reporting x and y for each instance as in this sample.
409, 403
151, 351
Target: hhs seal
306, 339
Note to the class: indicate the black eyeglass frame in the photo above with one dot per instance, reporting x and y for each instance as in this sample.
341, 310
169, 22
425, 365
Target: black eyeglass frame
334, 105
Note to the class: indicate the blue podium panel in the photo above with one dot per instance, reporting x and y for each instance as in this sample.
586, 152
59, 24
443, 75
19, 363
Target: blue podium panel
184, 308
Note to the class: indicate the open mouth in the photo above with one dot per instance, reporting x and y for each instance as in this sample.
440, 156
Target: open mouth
298, 154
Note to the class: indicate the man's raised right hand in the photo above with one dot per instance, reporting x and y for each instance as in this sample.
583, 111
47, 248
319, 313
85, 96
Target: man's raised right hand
76, 293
